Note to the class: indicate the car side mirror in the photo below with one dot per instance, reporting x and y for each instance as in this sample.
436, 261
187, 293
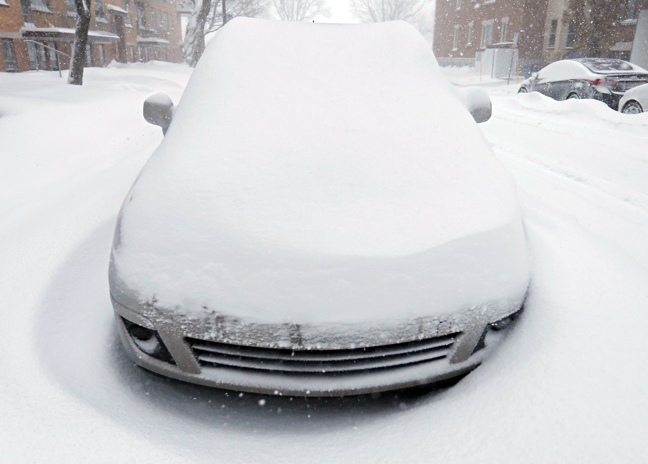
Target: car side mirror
477, 102
158, 110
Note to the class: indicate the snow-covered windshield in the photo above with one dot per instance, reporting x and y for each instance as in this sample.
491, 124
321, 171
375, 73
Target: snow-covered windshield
607, 65
373, 160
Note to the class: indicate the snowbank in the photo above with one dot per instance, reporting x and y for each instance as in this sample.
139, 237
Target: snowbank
592, 111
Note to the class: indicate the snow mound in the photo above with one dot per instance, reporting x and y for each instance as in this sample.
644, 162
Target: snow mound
312, 168
587, 109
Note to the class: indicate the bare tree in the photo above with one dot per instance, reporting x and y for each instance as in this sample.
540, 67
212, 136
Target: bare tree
373, 11
299, 10
209, 16
591, 24
80, 42
224, 10
194, 43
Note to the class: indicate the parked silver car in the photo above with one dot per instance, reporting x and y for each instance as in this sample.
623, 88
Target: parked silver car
323, 217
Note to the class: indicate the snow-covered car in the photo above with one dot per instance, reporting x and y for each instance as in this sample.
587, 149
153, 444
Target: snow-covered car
603, 79
323, 217
635, 101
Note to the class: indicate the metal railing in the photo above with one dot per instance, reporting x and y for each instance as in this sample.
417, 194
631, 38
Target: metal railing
58, 53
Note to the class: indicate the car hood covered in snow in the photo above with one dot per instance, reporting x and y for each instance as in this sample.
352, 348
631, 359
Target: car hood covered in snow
321, 173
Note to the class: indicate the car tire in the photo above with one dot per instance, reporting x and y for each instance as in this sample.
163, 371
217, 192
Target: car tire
573, 96
632, 107
523, 90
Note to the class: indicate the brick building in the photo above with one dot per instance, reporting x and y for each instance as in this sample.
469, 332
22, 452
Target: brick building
462, 27
559, 36
32, 31
626, 28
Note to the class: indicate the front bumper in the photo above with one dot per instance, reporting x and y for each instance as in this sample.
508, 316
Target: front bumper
227, 355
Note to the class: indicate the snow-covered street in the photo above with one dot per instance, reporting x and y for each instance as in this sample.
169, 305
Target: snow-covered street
569, 385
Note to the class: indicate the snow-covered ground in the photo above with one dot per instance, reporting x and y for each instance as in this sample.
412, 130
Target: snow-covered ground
464, 76
570, 385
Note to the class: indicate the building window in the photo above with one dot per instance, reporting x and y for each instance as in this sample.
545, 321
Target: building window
571, 36
471, 27
552, 33
455, 40
54, 62
43, 57
9, 55
128, 12
100, 10
133, 51
166, 22
153, 19
504, 32
71, 7
487, 33
88, 57
25, 7
41, 5
102, 54
141, 15
33, 56
458, 7
632, 9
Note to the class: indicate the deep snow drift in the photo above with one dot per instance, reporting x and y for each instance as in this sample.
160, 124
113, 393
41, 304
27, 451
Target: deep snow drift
568, 385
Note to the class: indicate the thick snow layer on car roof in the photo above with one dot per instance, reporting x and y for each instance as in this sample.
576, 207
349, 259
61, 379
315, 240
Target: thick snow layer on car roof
565, 70
579, 69
610, 66
312, 168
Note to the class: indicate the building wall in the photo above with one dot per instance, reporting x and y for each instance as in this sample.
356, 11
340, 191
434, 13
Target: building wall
161, 23
520, 20
542, 35
531, 34
626, 31
555, 48
114, 35
11, 20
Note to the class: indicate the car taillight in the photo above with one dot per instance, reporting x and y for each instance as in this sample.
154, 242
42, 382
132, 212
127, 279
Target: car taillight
605, 82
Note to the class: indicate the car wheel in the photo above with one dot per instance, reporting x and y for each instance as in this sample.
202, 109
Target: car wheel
523, 90
573, 96
632, 107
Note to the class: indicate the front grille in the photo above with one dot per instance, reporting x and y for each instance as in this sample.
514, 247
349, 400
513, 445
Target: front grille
332, 362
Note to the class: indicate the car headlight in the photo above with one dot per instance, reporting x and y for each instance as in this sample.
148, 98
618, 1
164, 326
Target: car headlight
504, 322
148, 341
